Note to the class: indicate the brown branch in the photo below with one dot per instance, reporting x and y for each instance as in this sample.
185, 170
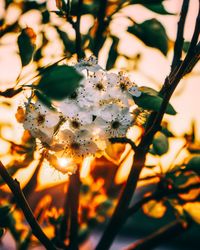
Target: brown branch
74, 189
79, 51
9, 28
76, 26
11, 92
178, 47
117, 220
119, 215
22, 203
195, 36
173, 229
102, 25
64, 226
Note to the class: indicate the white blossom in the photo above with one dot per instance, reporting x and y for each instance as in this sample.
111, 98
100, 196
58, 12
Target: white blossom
83, 123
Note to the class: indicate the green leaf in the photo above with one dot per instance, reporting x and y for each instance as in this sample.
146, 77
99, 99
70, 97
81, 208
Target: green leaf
167, 132
186, 46
113, 54
146, 1
160, 143
83, 234
158, 8
1, 232
151, 102
60, 82
5, 215
4, 210
25, 241
44, 99
68, 44
194, 164
26, 46
152, 33
148, 90
88, 7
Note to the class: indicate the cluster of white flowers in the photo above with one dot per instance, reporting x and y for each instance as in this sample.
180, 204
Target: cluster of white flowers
83, 123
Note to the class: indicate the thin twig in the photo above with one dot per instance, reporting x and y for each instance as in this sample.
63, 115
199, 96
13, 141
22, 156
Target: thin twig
178, 47
22, 203
79, 51
98, 40
123, 140
76, 26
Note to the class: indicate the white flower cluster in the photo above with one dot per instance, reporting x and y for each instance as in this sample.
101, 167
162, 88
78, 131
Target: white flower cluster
83, 123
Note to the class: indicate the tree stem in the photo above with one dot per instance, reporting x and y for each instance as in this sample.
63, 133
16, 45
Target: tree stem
153, 125
117, 220
74, 189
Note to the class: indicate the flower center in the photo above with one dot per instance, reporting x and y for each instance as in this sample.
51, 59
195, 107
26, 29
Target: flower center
122, 86
75, 145
75, 124
40, 119
73, 95
99, 86
115, 125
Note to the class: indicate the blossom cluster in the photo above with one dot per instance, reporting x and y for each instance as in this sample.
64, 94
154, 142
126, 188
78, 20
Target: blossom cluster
99, 109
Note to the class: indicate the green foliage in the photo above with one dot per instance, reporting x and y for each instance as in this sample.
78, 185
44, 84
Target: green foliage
160, 144
146, 1
44, 99
26, 47
158, 8
152, 33
1, 232
4, 211
194, 164
150, 100
60, 82
186, 46
113, 54
83, 234
67, 42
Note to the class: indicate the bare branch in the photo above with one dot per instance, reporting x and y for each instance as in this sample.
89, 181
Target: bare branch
98, 40
22, 203
179, 38
123, 140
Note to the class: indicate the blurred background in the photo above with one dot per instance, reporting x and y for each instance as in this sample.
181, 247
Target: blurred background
145, 66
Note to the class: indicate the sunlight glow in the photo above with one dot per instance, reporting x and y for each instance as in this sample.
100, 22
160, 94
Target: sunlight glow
63, 162
124, 169
85, 168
